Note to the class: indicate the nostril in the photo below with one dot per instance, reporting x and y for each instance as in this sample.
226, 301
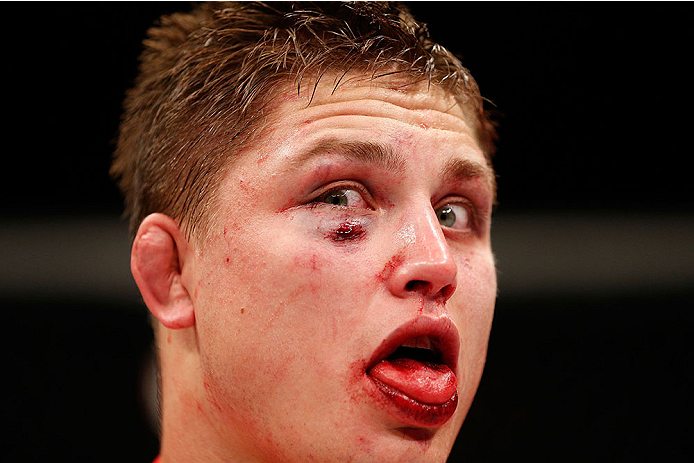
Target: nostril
447, 291
418, 285
426, 289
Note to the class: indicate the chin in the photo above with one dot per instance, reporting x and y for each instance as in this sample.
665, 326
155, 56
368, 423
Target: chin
410, 444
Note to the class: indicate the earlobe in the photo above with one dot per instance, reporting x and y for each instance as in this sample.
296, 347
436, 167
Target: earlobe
157, 263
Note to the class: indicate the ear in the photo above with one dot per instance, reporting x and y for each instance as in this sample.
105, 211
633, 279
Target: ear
157, 262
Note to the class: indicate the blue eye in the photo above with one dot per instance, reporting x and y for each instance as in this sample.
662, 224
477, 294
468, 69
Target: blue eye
453, 216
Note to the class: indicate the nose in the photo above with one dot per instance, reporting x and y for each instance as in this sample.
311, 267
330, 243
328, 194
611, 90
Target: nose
424, 262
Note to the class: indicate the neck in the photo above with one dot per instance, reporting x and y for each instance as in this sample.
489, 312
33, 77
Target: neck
194, 428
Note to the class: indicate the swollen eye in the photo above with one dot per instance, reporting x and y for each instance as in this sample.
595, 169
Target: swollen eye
453, 216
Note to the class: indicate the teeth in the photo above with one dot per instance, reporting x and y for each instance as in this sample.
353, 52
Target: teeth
422, 342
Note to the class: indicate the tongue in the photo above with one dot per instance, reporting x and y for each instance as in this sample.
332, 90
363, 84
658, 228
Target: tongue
426, 382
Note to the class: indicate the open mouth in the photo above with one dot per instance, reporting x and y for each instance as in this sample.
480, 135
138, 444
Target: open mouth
415, 369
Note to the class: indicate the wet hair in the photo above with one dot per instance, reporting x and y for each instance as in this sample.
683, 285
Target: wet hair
207, 80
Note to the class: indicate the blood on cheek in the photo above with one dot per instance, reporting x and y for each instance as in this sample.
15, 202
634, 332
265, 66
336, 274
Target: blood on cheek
348, 230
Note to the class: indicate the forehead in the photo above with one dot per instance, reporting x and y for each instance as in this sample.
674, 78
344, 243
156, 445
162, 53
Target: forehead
359, 108
409, 102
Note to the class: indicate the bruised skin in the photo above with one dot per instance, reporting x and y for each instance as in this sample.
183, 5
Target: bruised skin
286, 327
349, 230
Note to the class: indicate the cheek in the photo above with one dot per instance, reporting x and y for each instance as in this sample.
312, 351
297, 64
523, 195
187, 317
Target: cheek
477, 276
475, 299
306, 286
292, 339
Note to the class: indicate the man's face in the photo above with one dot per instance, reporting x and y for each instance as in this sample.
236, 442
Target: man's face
345, 296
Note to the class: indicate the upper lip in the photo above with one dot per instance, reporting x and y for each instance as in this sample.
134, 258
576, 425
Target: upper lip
441, 331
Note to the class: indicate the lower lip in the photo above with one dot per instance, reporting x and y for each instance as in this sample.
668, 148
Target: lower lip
412, 412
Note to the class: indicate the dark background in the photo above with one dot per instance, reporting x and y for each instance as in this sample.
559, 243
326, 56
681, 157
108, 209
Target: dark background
594, 231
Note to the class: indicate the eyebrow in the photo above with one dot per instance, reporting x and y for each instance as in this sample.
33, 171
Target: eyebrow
377, 154
463, 169
383, 156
